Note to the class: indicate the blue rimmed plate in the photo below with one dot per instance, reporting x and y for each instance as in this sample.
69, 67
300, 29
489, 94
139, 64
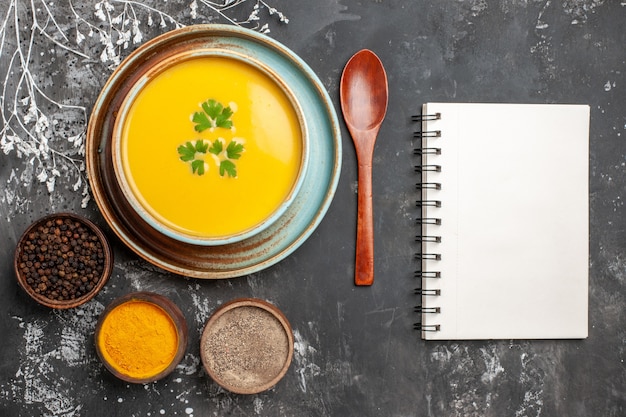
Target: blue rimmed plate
289, 231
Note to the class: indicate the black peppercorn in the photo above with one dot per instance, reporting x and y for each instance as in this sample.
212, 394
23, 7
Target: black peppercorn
62, 259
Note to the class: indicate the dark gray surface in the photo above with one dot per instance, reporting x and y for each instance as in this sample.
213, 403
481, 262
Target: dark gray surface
356, 352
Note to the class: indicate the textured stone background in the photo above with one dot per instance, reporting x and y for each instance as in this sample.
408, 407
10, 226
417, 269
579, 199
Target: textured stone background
356, 352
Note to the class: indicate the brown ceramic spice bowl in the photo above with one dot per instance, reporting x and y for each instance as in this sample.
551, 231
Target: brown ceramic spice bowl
141, 337
62, 260
247, 346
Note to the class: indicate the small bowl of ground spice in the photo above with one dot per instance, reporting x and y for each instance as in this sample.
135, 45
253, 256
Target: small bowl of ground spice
141, 337
63, 260
247, 346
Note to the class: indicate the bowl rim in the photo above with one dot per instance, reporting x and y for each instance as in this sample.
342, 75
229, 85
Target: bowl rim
64, 304
174, 313
248, 302
117, 139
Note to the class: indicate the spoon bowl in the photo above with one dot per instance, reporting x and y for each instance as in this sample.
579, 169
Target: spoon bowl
364, 96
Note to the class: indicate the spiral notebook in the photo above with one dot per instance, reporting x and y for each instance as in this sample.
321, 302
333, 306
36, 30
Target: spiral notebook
505, 221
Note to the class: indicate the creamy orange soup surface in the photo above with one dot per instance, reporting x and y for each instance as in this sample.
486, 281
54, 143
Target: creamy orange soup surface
211, 147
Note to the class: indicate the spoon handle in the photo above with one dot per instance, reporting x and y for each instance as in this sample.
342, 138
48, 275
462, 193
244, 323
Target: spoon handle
364, 264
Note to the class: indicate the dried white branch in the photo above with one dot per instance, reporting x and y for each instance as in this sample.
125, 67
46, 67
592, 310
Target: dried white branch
29, 113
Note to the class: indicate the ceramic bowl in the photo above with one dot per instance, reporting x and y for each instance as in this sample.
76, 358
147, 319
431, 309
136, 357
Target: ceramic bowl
261, 76
138, 337
62, 260
247, 346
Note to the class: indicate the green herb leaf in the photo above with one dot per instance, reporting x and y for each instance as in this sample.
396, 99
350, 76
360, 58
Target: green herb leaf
216, 148
202, 121
197, 166
201, 146
227, 166
214, 114
222, 120
212, 108
234, 150
187, 152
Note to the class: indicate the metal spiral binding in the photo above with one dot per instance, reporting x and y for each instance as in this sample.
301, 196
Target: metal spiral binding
428, 220
429, 185
427, 274
434, 239
431, 221
424, 291
428, 203
428, 256
425, 117
427, 327
427, 134
425, 168
420, 309
427, 151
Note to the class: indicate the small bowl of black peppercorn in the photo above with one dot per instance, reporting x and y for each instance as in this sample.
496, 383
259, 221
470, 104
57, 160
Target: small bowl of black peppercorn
63, 260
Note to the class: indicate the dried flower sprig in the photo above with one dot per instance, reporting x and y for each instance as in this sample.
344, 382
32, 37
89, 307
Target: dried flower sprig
48, 132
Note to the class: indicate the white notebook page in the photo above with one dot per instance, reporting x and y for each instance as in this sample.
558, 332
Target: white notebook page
514, 221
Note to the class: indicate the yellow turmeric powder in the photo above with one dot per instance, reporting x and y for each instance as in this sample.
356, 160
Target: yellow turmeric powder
138, 339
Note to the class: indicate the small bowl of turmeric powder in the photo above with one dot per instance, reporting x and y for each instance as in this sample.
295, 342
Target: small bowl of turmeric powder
141, 337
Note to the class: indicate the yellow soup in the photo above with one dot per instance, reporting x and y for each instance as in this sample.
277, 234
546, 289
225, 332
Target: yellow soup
211, 147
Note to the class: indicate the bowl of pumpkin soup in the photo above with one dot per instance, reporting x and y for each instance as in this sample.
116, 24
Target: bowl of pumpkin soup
207, 181
209, 147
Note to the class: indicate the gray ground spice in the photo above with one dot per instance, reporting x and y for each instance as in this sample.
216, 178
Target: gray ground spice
246, 347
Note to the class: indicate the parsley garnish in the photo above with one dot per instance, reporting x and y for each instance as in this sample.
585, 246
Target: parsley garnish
227, 166
234, 150
216, 148
189, 152
194, 153
197, 166
214, 114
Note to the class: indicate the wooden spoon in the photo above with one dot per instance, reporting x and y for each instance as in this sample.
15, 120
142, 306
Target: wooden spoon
364, 104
